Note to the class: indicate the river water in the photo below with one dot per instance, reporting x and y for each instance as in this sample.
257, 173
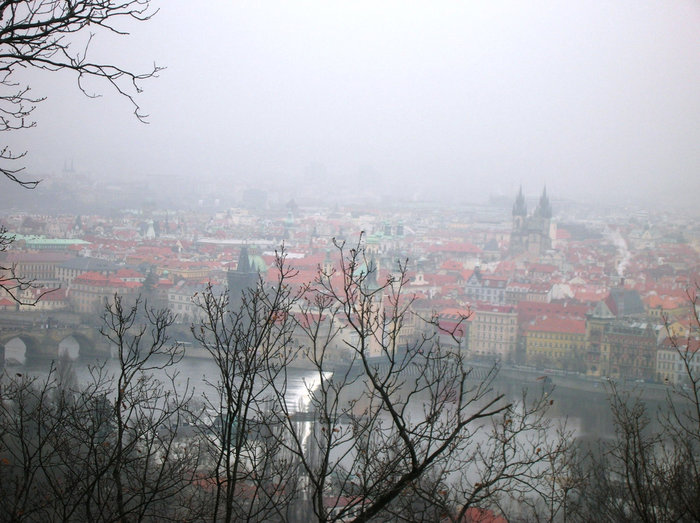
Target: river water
197, 374
586, 413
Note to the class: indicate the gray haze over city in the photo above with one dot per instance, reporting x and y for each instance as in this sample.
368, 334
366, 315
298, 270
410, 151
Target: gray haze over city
459, 101
350, 261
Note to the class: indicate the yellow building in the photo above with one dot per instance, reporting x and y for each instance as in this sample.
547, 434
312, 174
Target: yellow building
184, 270
556, 342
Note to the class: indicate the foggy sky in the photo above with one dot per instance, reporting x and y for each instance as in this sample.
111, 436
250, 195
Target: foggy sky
459, 99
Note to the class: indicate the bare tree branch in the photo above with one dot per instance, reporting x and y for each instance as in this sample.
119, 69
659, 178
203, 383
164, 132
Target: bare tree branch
12, 284
55, 35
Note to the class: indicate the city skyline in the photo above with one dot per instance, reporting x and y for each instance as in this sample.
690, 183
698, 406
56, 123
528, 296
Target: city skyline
458, 101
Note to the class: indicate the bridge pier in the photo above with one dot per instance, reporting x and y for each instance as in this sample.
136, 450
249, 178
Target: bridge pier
45, 344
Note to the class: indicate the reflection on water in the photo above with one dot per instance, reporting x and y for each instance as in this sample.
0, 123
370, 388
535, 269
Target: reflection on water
69, 348
198, 374
587, 414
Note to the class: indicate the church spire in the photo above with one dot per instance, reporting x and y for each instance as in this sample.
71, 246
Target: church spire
241, 282
519, 207
544, 208
372, 270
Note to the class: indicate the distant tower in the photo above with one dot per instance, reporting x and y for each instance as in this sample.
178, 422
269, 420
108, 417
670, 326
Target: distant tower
374, 306
371, 284
150, 231
597, 350
519, 210
244, 278
387, 229
530, 234
327, 266
544, 208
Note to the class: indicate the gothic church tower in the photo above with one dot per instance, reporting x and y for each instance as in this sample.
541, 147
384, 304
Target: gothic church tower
530, 234
244, 278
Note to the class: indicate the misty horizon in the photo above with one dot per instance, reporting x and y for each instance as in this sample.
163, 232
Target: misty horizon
459, 102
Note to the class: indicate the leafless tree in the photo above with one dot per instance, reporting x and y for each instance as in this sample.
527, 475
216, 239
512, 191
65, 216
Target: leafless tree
650, 471
681, 420
109, 449
250, 477
517, 463
13, 284
403, 429
146, 466
55, 35
398, 427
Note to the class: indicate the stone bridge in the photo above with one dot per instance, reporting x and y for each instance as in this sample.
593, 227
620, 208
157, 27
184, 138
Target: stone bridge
478, 372
50, 343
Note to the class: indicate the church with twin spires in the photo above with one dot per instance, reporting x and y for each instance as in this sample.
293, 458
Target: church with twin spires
530, 235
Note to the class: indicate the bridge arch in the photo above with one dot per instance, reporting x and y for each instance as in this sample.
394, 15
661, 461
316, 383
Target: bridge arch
69, 348
75, 345
18, 347
42, 344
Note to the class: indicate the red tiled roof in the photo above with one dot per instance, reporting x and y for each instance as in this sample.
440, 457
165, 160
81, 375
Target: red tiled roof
666, 302
441, 279
693, 345
451, 265
542, 267
559, 325
91, 278
54, 295
481, 515
528, 310
455, 312
128, 273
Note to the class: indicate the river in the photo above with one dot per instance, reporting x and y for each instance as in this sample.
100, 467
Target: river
586, 412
